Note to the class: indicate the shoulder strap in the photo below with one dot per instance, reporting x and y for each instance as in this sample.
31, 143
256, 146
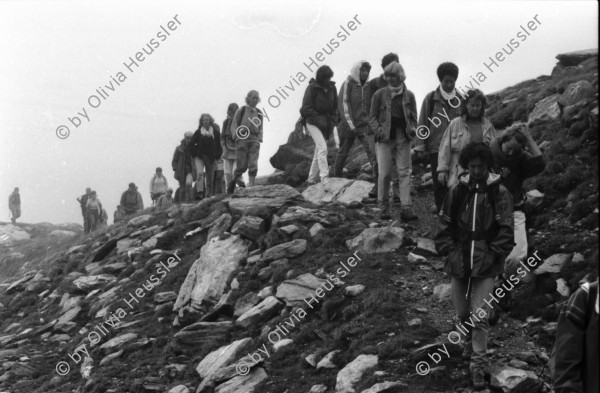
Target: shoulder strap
242, 113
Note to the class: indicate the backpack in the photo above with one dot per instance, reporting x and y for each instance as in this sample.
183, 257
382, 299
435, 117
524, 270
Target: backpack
312, 97
243, 112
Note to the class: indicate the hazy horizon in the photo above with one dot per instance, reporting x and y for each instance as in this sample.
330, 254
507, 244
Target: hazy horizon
56, 54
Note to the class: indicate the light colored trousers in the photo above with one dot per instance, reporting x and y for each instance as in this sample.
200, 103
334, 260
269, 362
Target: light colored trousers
481, 289
319, 165
386, 152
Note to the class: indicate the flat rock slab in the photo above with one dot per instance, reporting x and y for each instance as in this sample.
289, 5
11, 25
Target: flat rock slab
261, 312
88, 283
426, 245
553, 264
203, 332
250, 227
296, 214
209, 275
352, 374
293, 292
118, 341
250, 383
140, 220
285, 250
336, 189
165, 297
377, 240
386, 387
224, 356
508, 378
270, 196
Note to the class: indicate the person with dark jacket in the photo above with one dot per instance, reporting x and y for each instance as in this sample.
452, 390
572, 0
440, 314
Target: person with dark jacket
131, 200
375, 84
394, 119
575, 352
205, 150
475, 232
228, 146
514, 165
183, 167
83, 202
14, 205
354, 102
247, 131
319, 110
438, 109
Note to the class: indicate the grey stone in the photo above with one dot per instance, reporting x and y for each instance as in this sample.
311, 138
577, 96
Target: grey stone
377, 240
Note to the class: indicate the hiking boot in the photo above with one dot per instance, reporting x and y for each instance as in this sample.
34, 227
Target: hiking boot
407, 214
240, 183
385, 212
231, 187
478, 378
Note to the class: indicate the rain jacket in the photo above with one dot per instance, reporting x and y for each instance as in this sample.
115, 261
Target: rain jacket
182, 163
207, 146
441, 113
380, 118
480, 237
319, 107
354, 102
455, 138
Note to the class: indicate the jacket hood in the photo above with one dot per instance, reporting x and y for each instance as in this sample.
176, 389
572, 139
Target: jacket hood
492, 179
313, 81
355, 72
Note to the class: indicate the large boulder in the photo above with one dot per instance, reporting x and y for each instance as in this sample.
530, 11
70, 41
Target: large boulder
513, 379
249, 383
377, 240
576, 57
335, 189
272, 197
352, 374
576, 92
210, 274
223, 357
261, 312
293, 292
285, 250
545, 111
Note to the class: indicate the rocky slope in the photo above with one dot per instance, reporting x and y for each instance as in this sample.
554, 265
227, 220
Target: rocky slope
277, 289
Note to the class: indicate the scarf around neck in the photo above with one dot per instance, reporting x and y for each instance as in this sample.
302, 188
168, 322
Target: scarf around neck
396, 91
447, 96
206, 132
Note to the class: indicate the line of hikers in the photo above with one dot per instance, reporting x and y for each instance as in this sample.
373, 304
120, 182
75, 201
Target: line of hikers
217, 161
94, 215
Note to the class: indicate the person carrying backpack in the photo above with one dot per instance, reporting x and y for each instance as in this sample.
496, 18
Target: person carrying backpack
183, 167
319, 112
438, 109
83, 202
247, 131
228, 146
354, 102
574, 361
158, 185
475, 233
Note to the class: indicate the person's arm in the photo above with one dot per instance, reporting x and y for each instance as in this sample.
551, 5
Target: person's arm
374, 115
422, 144
308, 110
260, 130
411, 124
444, 241
504, 242
219, 148
152, 185
534, 162
569, 345
234, 122
346, 107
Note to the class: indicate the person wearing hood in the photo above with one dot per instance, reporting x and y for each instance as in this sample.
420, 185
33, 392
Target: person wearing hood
472, 126
439, 108
515, 165
319, 111
205, 149
354, 102
131, 200
247, 131
183, 167
393, 117
228, 146
475, 233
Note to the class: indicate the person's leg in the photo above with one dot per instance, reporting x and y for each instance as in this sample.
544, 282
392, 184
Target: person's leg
209, 166
199, 165
253, 153
342, 154
373, 149
384, 162
481, 290
218, 181
404, 166
241, 164
316, 166
228, 169
370, 156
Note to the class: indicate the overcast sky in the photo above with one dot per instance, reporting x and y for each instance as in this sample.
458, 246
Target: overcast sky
56, 54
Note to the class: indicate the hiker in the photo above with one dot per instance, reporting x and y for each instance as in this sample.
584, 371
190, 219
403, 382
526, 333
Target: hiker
438, 109
205, 149
83, 202
158, 185
103, 219
219, 177
183, 167
319, 113
475, 232
471, 126
119, 215
94, 211
131, 200
514, 165
574, 361
14, 205
247, 131
375, 84
394, 119
166, 200
228, 146
354, 102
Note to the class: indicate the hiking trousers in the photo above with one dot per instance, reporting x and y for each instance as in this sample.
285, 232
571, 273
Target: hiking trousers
319, 166
246, 157
398, 149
